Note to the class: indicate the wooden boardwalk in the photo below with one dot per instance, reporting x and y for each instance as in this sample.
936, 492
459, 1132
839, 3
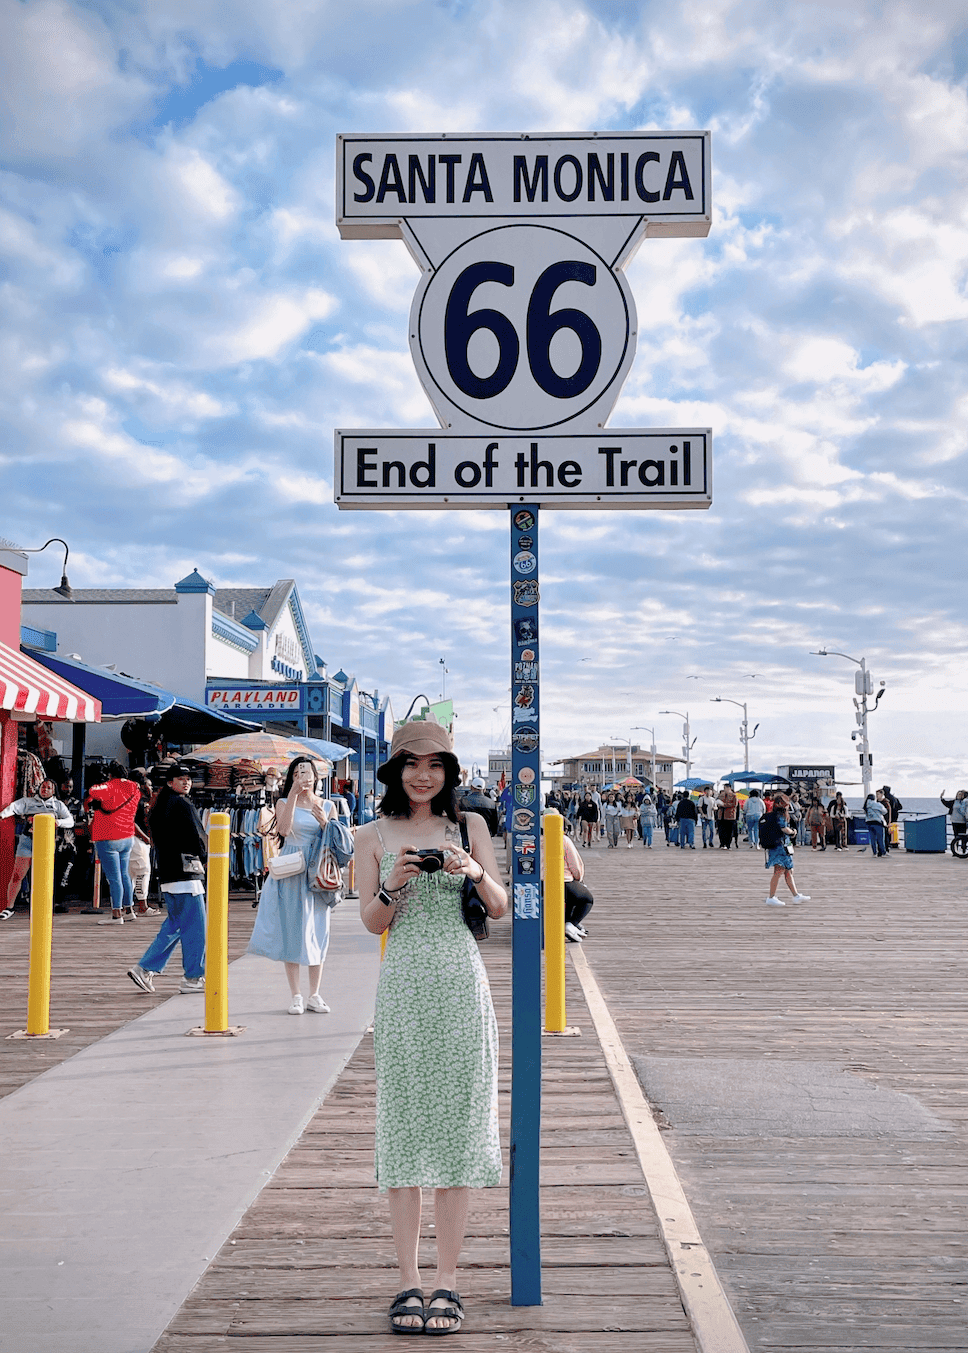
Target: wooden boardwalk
312, 1264
823, 1242
90, 993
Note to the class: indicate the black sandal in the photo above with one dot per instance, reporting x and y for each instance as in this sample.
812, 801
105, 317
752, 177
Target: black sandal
452, 1311
399, 1308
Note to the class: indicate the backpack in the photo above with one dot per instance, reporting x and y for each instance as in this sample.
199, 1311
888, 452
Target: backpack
770, 834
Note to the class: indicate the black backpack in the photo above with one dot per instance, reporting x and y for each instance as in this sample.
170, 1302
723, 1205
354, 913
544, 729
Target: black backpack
770, 833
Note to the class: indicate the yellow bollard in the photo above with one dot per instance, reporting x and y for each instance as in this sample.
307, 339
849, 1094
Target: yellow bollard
217, 933
41, 926
554, 923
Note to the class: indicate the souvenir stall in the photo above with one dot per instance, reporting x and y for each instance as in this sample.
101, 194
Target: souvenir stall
242, 776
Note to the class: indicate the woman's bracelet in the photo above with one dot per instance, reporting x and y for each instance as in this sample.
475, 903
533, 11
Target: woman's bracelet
480, 878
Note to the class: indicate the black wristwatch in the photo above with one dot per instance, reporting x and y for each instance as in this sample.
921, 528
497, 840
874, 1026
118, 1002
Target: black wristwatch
386, 899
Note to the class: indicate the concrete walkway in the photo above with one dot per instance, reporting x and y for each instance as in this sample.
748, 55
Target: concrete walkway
110, 1203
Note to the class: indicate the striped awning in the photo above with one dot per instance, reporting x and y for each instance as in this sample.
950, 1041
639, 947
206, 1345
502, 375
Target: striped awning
28, 688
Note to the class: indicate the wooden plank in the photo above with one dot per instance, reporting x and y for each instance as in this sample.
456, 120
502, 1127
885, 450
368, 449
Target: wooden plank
91, 994
638, 1341
823, 1243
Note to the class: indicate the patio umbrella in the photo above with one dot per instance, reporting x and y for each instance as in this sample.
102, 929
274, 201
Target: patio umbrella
693, 783
264, 750
629, 782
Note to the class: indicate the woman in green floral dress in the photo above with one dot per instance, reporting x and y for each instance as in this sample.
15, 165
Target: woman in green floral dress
434, 1033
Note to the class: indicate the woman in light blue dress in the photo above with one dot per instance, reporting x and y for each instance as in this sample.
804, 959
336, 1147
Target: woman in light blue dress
292, 925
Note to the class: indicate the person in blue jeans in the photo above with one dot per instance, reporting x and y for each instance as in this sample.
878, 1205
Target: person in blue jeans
687, 816
755, 808
648, 821
876, 814
181, 849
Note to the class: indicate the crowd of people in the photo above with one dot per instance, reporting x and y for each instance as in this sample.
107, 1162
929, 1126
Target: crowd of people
724, 820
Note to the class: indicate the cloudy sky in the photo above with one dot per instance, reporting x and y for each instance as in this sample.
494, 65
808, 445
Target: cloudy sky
183, 329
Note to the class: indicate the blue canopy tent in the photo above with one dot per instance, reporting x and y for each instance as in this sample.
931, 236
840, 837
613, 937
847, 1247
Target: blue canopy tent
332, 751
754, 777
176, 717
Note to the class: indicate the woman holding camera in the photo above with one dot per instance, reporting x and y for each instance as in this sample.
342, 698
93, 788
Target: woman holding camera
292, 925
434, 1032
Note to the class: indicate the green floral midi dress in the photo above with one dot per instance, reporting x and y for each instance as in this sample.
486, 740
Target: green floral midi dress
436, 1045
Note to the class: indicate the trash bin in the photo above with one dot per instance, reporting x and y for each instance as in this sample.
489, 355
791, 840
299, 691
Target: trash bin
857, 833
926, 835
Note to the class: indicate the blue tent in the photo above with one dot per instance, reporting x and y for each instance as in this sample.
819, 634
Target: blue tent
122, 697
332, 751
754, 777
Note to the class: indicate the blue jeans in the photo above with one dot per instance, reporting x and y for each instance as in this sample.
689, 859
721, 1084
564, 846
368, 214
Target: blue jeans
687, 833
184, 921
646, 834
876, 830
753, 830
114, 857
708, 831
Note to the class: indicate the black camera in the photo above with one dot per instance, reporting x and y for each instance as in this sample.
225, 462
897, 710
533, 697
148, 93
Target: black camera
430, 860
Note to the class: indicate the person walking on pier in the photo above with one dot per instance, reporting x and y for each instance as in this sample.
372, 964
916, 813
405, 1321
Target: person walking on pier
958, 809
706, 805
776, 838
648, 821
728, 809
435, 1034
613, 815
687, 815
588, 817
875, 812
181, 848
629, 817
755, 808
838, 813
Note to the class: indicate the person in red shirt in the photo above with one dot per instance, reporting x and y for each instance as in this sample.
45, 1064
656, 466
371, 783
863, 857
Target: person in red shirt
115, 804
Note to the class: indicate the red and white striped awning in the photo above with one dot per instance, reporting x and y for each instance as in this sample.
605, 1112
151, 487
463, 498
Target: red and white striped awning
28, 688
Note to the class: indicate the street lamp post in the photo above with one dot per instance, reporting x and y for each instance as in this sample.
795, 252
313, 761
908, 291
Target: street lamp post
688, 743
628, 755
746, 737
863, 686
642, 728
65, 588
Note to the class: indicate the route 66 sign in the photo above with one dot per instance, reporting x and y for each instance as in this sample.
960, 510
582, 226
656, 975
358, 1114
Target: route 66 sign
523, 326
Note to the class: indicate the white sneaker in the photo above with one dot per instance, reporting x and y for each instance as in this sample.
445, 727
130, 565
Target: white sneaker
571, 933
317, 1005
190, 984
297, 1006
774, 902
112, 920
141, 977
581, 930
801, 897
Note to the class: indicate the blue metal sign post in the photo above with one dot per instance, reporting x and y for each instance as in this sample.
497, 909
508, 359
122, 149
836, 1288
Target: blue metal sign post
525, 837
523, 330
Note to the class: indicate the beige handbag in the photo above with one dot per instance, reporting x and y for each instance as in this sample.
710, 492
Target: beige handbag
285, 866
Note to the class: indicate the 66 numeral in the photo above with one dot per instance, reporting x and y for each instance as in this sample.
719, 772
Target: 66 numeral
541, 327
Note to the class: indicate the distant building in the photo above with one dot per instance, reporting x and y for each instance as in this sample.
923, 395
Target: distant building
498, 764
610, 763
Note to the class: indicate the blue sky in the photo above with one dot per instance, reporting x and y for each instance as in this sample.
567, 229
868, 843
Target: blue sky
183, 329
